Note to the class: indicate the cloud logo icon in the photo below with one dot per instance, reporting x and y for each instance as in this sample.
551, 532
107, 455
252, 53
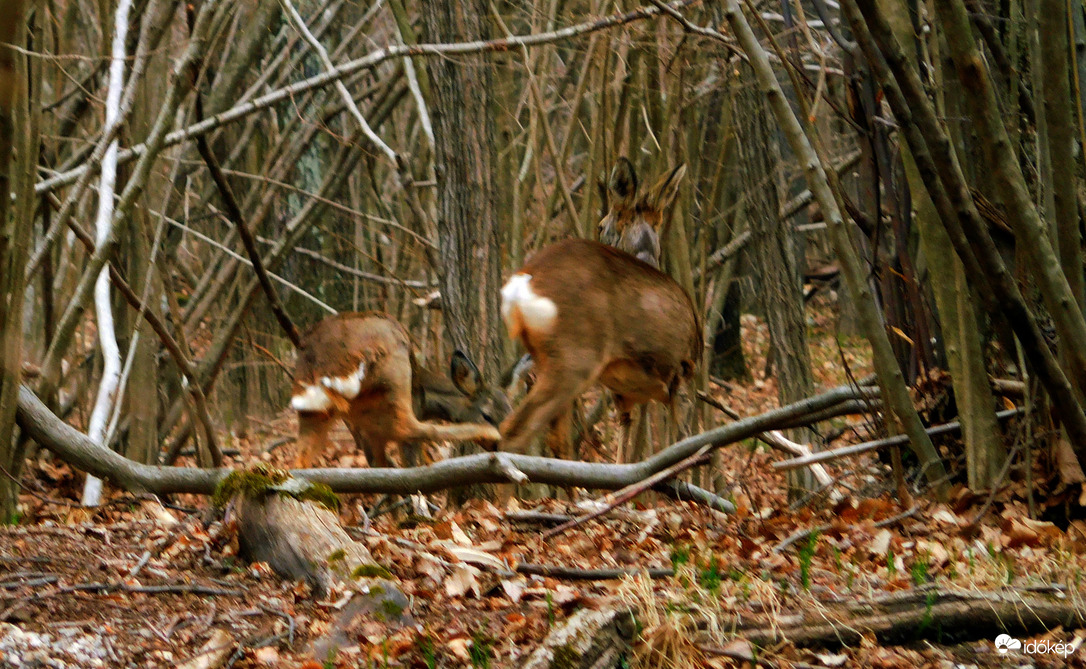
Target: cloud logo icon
1005, 643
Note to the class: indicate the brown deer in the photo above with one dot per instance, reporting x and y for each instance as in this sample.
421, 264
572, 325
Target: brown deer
588, 312
361, 368
631, 222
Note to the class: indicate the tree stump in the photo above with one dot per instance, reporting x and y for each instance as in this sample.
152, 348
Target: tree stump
292, 525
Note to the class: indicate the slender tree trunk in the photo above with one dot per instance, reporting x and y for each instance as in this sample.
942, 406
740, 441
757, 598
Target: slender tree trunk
954, 300
469, 237
1029, 229
14, 248
468, 234
1056, 67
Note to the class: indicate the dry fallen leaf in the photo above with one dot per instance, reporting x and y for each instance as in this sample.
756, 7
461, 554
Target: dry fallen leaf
832, 660
459, 647
462, 579
513, 588
881, 543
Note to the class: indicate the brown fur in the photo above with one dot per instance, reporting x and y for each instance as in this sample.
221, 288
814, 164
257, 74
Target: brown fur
382, 413
619, 321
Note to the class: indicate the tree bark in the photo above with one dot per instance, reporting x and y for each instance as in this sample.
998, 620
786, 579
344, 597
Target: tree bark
954, 301
1055, 62
469, 237
774, 254
946, 185
14, 248
1029, 229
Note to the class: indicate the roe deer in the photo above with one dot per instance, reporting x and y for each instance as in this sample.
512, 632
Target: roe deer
631, 223
588, 312
361, 368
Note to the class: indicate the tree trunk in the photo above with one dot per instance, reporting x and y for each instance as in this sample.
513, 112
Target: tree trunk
894, 392
773, 247
15, 230
469, 237
954, 301
1055, 62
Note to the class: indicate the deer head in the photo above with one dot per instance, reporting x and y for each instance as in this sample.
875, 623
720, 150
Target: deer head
632, 220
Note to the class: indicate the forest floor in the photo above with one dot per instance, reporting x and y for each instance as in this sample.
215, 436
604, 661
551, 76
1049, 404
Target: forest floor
133, 583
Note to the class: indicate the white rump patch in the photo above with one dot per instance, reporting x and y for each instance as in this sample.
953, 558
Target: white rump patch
348, 386
316, 396
537, 312
313, 398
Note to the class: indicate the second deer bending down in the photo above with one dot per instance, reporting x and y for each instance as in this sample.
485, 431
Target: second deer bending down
360, 367
587, 312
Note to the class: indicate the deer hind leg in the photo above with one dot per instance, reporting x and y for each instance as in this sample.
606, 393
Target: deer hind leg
625, 408
558, 437
374, 447
551, 397
313, 428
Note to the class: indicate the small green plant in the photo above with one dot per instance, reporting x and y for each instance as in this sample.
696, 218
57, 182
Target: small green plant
710, 577
428, 652
479, 653
680, 554
806, 554
330, 659
891, 568
927, 620
550, 609
920, 570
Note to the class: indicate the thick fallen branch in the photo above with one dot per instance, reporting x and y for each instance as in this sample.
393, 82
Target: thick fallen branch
76, 449
574, 574
944, 615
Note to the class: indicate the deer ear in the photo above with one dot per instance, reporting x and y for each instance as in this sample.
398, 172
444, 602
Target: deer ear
623, 182
464, 374
662, 194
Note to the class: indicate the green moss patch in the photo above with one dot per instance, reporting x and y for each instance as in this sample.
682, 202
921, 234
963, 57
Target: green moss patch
251, 483
261, 479
370, 571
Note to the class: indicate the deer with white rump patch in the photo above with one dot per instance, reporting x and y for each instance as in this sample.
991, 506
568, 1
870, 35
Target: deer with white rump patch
590, 313
360, 367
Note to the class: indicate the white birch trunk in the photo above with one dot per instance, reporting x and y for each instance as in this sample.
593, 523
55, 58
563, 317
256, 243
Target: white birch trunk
107, 339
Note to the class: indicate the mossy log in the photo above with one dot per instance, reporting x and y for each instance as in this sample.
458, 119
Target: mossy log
927, 613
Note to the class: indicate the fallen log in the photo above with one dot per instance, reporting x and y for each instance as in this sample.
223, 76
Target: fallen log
78, 450
927, 613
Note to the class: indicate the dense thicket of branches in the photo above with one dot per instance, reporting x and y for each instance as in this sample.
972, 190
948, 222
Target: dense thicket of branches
378, 153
